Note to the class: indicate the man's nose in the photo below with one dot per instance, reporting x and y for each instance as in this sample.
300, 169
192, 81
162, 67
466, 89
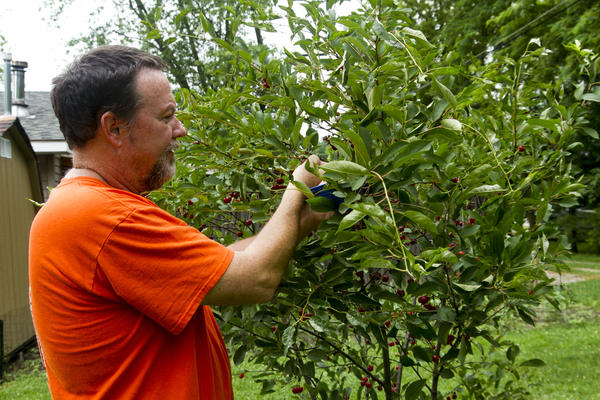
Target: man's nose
178, 129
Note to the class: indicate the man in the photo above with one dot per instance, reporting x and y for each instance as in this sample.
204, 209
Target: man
119, 288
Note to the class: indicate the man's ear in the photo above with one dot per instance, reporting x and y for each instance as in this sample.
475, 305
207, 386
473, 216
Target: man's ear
112, 128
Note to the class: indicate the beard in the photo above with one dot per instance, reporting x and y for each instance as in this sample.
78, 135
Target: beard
163, 169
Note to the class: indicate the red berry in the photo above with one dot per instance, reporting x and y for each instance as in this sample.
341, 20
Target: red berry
380, 388
423, 299
385, 278
471, 220
235, 195
454, 395
391, 344
273, 328
450, 339
248, 222
227, 199
370, 368
190, 203
435, 359
279, 181
455, 180
530, 292
240, 234
361, 309
521, 149
368, 384
461, 253
451, 245
388, 323
400, 292
297, 389
241, 375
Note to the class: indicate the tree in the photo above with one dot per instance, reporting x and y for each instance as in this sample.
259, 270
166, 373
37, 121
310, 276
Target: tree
173, 29
446, 177
465, 30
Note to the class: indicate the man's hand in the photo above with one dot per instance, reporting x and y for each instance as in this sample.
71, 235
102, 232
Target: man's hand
258, 264
301, 174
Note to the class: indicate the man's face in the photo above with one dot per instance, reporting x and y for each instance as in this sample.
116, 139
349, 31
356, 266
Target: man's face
153, 132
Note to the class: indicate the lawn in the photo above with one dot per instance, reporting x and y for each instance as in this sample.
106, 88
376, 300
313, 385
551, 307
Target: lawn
566, 340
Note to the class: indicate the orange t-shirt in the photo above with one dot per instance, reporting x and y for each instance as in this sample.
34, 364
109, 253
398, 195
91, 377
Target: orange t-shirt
116, 285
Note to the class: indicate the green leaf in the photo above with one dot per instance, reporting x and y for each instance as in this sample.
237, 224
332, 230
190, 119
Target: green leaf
422, 220
416, 34
407, 361
442, 133
376, 263
595, 96
413, 391
452, 124
321, 204
591, 132
349, 220
534, 362
344, 167
381, 32
467, 287
239, 355
287, 338
445, 92
512, 352
486, 189
301, 186
359, 146
370, 209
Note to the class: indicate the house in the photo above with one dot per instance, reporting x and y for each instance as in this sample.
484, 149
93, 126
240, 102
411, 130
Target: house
34, 111
20, 189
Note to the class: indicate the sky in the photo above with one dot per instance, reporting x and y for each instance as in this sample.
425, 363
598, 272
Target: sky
31, 37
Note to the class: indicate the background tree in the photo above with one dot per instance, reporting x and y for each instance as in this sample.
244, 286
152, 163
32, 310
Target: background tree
473, 31
174, 30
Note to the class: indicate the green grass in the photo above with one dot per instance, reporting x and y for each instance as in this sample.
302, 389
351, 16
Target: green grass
571, 354
28, 383
566, 340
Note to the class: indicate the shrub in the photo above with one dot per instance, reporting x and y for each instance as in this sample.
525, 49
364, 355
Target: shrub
448, 174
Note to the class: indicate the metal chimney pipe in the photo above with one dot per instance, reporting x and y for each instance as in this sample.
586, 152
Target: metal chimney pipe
19, 69
7, 84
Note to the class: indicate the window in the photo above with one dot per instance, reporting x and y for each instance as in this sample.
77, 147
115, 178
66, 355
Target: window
5, 148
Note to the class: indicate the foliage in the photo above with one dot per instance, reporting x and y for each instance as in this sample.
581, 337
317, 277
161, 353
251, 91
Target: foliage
567, 28
449, 175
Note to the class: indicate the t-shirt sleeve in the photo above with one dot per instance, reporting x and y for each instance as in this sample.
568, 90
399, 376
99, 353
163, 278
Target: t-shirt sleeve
161, 266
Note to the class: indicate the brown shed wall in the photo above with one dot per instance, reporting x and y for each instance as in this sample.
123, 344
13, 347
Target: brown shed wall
17, 185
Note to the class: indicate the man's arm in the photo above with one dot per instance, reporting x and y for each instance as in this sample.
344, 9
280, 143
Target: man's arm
259, 262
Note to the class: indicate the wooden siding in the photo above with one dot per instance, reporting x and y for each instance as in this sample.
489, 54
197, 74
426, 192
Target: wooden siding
17, 185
